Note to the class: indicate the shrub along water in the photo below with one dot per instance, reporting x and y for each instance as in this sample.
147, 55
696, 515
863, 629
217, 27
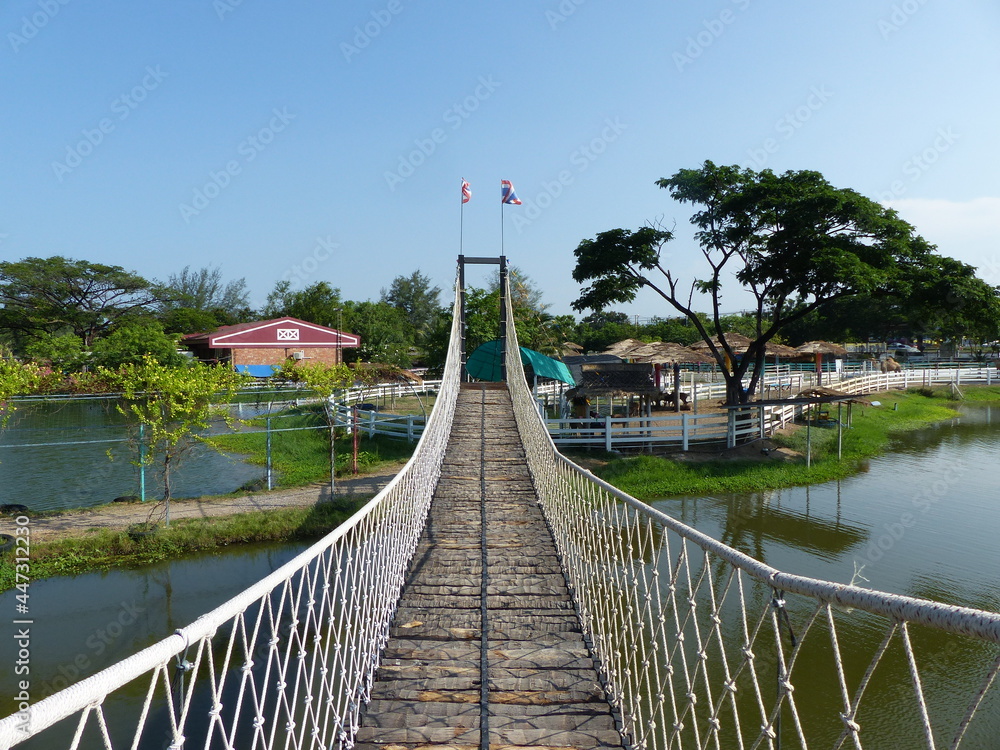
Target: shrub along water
302, 456
106, 549
871, 433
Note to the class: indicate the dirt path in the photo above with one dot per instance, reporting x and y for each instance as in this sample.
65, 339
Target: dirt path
121, 515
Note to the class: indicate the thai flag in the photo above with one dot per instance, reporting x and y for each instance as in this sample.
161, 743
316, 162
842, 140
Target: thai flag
466, 192
507, 194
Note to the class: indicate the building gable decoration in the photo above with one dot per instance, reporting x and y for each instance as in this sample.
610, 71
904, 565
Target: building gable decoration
271, 333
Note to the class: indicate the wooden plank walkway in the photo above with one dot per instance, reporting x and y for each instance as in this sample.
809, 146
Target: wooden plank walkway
513, 668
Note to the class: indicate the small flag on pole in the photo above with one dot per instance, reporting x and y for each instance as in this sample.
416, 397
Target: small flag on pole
507, 194
466, 192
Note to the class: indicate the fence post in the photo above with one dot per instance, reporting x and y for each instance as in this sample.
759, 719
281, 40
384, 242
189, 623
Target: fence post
694, 395
731, 428
761, 419
409, 428
142, 464
267, 423
684, 432
371, 424
607, 433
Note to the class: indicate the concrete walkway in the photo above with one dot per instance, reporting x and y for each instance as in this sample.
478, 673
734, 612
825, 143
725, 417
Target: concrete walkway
122, 515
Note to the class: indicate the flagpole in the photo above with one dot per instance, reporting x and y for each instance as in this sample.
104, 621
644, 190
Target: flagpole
502, 201
461, 221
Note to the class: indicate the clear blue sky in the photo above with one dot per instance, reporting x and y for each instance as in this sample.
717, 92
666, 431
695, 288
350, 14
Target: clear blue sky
328, 140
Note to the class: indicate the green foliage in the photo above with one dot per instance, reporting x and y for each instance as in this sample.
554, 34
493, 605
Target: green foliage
318, 303
52, 295
205, 291
134, 342
183, 320
384, 331
793, 241
419, 302
16, 379
63, 352
172, 405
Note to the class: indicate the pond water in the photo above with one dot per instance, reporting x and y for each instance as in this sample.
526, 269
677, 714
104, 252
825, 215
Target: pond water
921, 521
54, 456
83, 624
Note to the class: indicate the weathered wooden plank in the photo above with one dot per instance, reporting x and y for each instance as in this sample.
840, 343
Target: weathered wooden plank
543, 690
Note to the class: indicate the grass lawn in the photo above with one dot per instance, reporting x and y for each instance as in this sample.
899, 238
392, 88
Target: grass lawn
302, 457
649, 477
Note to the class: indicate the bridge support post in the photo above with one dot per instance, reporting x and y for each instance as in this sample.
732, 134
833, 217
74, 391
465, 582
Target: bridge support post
502, 262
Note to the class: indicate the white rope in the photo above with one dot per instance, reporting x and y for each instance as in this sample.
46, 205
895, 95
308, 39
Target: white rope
659, 597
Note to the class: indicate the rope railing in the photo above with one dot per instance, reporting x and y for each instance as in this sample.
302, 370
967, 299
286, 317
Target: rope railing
701, 646
287, 663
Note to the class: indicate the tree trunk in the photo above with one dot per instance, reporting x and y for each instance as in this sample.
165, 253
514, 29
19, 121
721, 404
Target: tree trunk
166, 484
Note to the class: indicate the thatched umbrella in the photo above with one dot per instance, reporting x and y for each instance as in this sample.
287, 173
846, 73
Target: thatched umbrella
818, 349
821, 394
821, 347
779, 350
619, 347
737, 342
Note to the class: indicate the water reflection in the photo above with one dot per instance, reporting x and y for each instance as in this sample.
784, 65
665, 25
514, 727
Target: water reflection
921, 522
85, 623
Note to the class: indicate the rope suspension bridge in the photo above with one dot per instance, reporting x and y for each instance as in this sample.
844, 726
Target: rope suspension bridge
497, 595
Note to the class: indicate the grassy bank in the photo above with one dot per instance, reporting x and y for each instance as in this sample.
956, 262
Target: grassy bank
872, 433
106, 549
302, 456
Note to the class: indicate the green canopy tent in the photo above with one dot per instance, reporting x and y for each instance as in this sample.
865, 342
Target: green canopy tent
484, 364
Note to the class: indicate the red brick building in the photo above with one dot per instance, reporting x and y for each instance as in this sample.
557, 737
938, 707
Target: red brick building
254, 346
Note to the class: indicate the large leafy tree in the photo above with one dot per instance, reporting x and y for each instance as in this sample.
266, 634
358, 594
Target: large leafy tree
384, 331
205, 289
57, 294
793, 241
202, 300
420, 302
133, 342
317, 303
